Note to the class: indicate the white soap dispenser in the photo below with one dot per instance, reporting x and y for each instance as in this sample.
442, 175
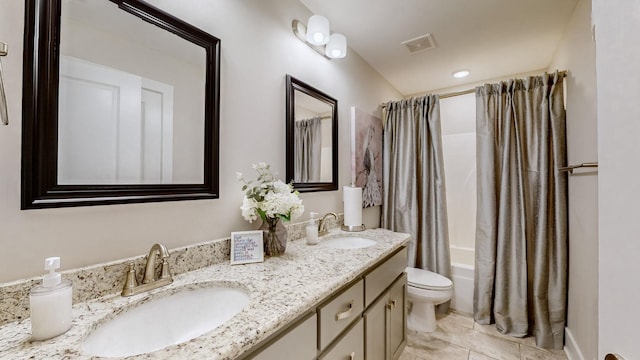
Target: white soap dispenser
50, 303
312, 229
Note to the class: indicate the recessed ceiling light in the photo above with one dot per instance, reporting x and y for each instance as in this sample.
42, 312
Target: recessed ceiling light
460, 74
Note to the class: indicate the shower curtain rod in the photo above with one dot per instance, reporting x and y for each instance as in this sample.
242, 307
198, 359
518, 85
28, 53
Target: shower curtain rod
447, 95
570, 168
465, 92
457, 93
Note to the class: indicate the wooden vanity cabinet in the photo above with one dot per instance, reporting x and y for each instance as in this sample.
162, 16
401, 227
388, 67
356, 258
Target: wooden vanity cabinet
365, 320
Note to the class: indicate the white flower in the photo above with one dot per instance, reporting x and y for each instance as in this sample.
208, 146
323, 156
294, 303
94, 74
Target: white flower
280, 187
269, 198
249, 209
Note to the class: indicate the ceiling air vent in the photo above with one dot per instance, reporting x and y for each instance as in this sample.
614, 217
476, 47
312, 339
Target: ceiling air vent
421, 43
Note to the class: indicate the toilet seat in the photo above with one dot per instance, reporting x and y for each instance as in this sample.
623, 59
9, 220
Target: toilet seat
424, 279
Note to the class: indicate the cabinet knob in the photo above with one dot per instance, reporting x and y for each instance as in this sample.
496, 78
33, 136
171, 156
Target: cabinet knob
352, 356
391, 304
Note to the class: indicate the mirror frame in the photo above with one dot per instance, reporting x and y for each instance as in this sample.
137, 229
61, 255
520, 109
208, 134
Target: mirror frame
293, 84
40, 187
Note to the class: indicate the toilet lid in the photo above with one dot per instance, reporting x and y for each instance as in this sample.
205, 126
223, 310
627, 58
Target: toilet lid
425, 279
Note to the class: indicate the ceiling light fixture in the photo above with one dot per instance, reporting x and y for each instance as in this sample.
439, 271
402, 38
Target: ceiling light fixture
336, 47
316, 34
460, 74
318, 30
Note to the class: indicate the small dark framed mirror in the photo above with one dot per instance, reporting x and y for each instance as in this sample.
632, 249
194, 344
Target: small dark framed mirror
120, 105
312, 137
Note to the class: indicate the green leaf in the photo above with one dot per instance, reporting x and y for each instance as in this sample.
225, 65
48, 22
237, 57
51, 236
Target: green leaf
262, 214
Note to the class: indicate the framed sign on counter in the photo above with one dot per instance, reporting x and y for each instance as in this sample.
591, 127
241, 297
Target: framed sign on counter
246, 247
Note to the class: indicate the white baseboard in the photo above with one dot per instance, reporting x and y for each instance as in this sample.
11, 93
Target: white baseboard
571, 348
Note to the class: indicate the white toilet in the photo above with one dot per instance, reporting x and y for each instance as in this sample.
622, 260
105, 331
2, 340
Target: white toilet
425, 290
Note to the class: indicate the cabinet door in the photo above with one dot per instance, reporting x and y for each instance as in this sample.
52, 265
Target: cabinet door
375, 330
299, 343
397, 322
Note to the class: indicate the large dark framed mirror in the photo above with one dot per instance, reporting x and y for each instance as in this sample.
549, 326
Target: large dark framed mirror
312, 137
120, 104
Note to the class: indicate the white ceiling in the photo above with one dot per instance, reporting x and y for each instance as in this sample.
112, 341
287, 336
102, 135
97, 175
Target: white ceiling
490, 38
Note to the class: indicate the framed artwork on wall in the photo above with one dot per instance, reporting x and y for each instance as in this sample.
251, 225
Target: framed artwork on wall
366, 156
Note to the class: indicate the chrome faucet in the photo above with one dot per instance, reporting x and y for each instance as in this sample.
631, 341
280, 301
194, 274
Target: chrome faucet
322, 225
149, 280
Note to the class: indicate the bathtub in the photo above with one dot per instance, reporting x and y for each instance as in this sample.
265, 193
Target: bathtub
463, 283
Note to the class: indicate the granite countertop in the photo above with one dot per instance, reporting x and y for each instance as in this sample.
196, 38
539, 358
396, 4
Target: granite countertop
280, 290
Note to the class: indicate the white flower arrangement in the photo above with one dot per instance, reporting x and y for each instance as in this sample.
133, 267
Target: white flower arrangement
269, 198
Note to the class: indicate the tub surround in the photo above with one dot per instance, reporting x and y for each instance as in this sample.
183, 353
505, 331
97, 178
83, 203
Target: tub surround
281, 289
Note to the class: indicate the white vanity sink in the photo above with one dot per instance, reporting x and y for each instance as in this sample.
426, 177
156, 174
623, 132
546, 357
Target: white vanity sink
166, 321
348, 242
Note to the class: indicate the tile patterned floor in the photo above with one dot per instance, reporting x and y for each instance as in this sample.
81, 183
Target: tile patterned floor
458, 337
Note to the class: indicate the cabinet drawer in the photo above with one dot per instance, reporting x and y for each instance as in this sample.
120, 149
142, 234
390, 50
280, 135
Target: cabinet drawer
379, 279
300, 341
335, 315
350, 347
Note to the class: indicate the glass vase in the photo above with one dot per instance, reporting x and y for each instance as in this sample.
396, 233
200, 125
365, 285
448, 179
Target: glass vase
274, 237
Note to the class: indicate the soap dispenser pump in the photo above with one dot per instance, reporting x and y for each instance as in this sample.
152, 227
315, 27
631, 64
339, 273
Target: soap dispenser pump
50, 303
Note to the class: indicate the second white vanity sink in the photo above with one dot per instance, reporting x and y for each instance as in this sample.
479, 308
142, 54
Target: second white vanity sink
348, 242
166, 321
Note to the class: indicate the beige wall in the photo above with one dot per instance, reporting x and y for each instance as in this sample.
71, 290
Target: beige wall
617, 26
576, 54
258, 49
